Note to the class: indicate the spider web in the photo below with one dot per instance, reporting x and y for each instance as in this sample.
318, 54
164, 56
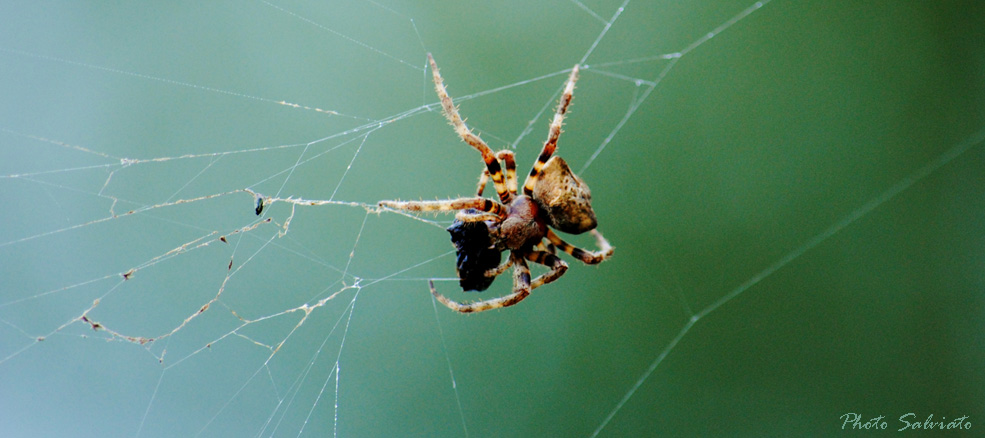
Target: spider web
795, 193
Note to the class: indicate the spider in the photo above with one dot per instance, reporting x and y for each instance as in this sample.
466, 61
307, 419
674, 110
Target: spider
553, 197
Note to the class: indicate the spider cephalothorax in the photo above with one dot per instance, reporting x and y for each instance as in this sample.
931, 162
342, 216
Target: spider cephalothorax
553, 197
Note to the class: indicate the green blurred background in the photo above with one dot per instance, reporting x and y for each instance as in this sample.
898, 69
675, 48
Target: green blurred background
750, 146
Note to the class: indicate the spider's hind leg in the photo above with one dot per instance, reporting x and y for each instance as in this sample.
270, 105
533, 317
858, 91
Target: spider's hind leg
557, 267
588, 257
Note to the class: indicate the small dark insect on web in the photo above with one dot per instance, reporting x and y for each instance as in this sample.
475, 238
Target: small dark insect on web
259, 204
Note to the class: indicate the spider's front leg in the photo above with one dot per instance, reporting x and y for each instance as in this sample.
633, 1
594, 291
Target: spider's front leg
463, 131
483, 204
475, 216
521, 290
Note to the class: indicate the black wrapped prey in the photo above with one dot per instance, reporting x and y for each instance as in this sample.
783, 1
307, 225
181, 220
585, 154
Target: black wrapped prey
475, 254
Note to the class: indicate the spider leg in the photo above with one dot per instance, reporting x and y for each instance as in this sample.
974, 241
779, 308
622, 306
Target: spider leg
556, 265
483, 204
497, 271
510, 163
521, 289
451, 113
549, 247
472, 216
553, 133
589, 257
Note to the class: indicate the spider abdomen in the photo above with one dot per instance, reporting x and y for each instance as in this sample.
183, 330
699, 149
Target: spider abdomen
565, 197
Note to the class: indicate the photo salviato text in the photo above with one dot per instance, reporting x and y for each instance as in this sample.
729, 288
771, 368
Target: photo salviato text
908, 421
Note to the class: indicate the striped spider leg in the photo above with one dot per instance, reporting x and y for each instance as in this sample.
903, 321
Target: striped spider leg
520, 223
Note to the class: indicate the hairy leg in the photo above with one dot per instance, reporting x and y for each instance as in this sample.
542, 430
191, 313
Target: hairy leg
483, 204
589, 257
553, 133
521, 289
509, 162
556, 265
451, 113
